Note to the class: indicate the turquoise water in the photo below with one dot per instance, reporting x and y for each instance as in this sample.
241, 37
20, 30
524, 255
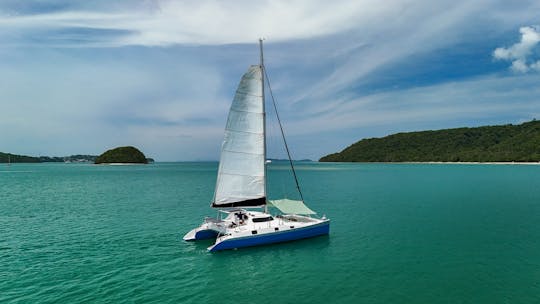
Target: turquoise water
400, 233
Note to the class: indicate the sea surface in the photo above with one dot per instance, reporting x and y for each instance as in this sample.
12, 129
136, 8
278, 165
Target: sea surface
400, 233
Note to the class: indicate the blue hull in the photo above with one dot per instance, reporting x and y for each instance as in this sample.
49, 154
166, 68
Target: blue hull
205, 234
275, 237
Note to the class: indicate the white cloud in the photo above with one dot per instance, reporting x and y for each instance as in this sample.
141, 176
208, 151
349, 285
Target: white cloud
204, 22
536, 66
407, 29
472, 102
59, 104
331, 46
520, 53
519, 65
483, 97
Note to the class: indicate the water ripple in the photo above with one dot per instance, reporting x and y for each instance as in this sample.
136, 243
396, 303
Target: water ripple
101, 234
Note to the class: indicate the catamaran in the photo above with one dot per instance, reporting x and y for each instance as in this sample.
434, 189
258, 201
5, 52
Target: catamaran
240, 195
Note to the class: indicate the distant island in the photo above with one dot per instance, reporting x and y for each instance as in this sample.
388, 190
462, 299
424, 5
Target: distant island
78, 158
14, 158
286, 160
504, 143
127, 155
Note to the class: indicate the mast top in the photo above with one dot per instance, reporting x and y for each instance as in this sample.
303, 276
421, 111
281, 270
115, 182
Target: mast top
261, 48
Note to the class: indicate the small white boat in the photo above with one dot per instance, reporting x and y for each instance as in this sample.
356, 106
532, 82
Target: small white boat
241, 181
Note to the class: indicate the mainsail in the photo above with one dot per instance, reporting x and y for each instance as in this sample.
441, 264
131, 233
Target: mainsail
241, 173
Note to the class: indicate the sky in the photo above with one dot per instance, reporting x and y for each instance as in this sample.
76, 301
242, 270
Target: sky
81, 77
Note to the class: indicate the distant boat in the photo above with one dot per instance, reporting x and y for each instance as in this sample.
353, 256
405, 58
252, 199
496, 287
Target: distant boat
241, 180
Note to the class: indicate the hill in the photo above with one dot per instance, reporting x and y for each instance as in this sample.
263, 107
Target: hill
13, 158
128, 154
506, 143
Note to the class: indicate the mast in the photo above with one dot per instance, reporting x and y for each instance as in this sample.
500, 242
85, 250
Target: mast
264, 118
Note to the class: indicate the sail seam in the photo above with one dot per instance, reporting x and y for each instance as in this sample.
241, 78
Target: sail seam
242, 111
247, 94
243, 198
232, 130
225, 173
232, 151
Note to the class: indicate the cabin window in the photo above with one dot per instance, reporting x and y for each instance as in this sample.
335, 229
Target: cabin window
262, 219
253, 231
292, 227
276, 229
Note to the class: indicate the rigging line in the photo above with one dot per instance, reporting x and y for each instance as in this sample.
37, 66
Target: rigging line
275, 142
282, 133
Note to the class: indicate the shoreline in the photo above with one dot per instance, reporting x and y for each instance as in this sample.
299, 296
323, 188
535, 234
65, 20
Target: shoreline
477, 163
120, 164
439, 163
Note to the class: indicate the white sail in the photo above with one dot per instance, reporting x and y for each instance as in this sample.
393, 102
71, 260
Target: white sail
241, 180
241, 173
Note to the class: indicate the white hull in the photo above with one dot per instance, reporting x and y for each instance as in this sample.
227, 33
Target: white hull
243, 228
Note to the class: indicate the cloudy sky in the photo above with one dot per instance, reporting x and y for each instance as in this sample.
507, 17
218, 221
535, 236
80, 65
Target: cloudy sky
85, 76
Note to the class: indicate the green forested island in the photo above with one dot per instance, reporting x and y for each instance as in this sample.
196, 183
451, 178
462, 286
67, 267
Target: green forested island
79, 158
14, 158
506, 143
127, 154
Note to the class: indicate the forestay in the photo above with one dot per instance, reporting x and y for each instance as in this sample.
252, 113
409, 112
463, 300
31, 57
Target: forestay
241, 174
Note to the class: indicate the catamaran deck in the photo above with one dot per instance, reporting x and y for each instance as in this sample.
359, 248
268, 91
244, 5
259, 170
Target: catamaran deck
241, 228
